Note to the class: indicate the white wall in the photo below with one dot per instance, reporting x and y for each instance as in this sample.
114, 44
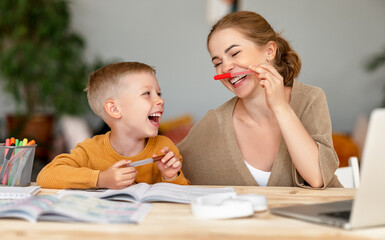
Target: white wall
334, 38
167, 34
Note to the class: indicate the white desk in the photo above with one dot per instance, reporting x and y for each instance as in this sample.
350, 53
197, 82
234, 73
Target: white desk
175, 221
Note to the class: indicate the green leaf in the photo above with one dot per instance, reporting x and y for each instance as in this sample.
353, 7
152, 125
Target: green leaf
41, 58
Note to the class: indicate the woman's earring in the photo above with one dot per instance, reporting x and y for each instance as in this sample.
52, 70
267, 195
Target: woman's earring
269, 58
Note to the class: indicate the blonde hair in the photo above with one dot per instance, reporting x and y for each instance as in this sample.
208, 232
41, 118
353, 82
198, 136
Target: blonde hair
105, 83
257, 29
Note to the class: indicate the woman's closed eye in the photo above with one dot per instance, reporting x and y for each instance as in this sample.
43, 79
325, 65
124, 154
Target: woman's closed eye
235, 54
217, 64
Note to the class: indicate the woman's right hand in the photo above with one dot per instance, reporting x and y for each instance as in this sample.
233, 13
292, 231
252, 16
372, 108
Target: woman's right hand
272, 82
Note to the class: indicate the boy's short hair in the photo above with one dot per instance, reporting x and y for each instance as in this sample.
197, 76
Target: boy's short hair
104, 83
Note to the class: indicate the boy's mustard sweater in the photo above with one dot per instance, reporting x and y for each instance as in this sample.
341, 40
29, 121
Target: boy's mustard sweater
81, 167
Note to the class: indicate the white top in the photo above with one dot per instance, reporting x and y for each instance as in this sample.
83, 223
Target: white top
261, 177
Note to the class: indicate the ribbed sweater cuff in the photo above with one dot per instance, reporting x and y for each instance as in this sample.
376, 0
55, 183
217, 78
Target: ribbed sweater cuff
94, 178
181, 180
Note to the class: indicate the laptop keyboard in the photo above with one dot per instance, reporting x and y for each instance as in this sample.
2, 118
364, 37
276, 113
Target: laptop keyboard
342, 214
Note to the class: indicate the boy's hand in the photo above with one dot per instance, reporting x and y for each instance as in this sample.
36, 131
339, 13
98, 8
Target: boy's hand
117, 176
170, 164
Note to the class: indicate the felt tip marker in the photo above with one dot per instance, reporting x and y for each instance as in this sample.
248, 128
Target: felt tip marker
145, 161
230, 75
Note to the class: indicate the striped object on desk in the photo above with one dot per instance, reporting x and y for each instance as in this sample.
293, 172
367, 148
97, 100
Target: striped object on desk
18, 192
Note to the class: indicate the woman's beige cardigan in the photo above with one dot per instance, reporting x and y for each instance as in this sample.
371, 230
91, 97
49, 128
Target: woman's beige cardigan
212, 157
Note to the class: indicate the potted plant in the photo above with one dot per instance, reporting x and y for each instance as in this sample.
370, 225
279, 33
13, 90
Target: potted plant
41, 65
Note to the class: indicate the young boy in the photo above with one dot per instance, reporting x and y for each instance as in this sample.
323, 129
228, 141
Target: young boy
127, 97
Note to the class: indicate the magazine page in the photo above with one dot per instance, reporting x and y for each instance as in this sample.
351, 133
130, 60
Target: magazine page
169, 192
82, 208
28, 209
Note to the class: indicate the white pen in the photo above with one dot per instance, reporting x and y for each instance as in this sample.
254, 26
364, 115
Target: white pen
146, 161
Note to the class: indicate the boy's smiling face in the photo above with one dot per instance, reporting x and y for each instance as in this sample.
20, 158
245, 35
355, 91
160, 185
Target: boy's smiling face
140, 105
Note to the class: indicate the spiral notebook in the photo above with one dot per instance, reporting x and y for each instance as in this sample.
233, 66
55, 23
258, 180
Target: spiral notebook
18, 192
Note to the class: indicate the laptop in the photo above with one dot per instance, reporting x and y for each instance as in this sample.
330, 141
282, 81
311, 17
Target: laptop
368, 207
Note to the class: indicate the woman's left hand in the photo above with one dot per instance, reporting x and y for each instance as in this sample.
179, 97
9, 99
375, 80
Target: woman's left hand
272, 82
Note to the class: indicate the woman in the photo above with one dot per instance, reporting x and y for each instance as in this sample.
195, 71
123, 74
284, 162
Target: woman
276, 131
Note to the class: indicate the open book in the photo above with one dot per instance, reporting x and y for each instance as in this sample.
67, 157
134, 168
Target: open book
158, 192
73, 208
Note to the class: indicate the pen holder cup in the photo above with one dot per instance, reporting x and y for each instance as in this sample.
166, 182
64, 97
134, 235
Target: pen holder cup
16, 165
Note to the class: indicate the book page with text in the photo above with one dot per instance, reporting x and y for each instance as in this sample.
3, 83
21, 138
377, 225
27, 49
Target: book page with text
169, 192
134, 192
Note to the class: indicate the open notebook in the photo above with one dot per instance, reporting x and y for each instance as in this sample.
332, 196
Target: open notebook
368, 207
158, 192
